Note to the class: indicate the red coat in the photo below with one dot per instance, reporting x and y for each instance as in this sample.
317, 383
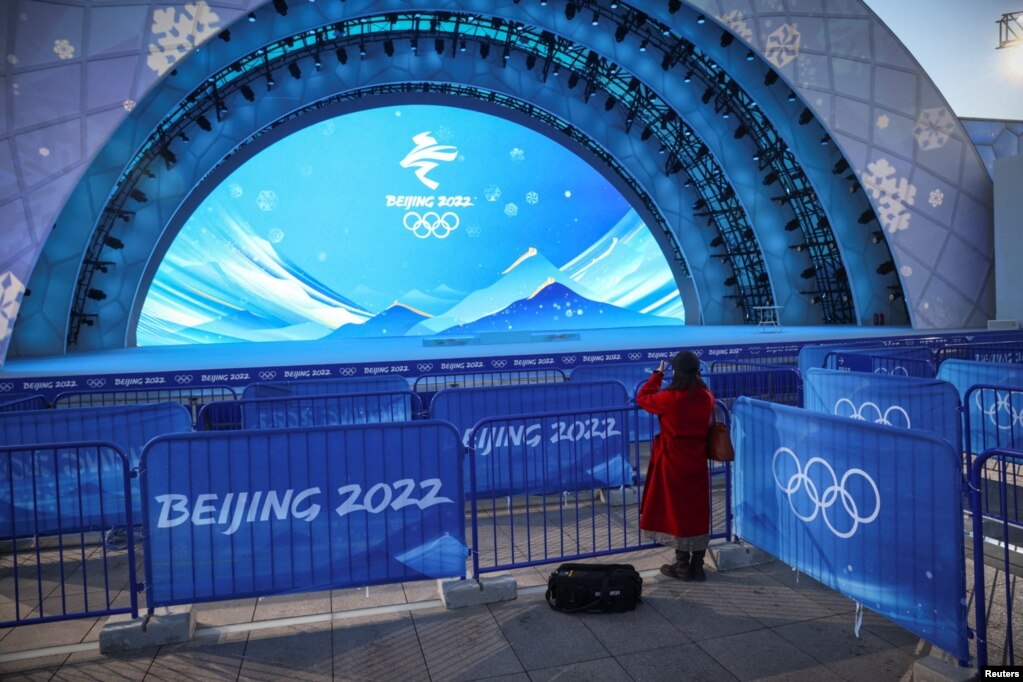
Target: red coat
677, 495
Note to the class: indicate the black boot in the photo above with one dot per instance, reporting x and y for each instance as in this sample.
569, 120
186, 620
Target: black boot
696, 566
679, 569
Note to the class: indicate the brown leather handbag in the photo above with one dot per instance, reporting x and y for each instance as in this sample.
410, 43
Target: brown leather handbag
719, 443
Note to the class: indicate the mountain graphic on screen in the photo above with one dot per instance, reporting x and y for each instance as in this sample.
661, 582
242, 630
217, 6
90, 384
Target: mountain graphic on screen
396, 320
554, 307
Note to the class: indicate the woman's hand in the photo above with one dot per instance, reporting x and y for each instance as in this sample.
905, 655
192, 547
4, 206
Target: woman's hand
663, 366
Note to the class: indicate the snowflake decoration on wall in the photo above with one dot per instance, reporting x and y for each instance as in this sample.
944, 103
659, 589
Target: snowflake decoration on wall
882, 121
64, 49
267, 200
236, 191
12, 59
44, 151
276, 235
736, 22
11, 291
906, 271
511, 210
933, 128
492, 193
328, 128
321, 256
532, 198
474, 230
892, 194
128, 104
178, 30
782, 46
517, 154
936, 198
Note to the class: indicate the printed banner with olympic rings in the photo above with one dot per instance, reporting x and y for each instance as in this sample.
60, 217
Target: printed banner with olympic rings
874, 512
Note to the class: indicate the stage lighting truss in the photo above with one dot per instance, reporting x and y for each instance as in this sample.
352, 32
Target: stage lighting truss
642, 109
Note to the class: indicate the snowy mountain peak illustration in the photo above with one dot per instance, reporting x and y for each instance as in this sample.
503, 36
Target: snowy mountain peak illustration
530, 252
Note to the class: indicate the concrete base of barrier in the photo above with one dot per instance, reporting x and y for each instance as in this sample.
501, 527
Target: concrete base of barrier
730, 555
169, 625
620, 497
934, 668
457, 594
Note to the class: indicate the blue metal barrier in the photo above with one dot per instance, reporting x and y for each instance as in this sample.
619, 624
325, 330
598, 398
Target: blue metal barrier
129, 427
994, 482
192, 399
629, 373
311, 410
281, 389
22, 402
993, 417
908, 402
463, 407
65, 490
251, 513
571, 453
781, 385
1010, 352
429, 385
872, 511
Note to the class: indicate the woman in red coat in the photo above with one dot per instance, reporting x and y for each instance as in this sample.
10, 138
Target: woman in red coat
676, 501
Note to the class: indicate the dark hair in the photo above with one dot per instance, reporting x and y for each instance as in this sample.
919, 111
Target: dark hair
686, 368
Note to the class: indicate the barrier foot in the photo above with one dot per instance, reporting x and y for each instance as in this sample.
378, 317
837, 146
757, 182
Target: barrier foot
619, 497
730, 555
167, 625
457, 594
939, 666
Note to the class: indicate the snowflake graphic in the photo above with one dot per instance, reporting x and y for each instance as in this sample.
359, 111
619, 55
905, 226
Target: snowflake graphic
321, 256
936, 198
276, 235
569, 313
444, 133
12, 59
11, 290
532, 198
511, 210
177, 30
782, 46
883, 121
735, 21
892, 194
474, 230
44, 151
517, 154
235, 190
267, 200
64, 49
328, 128
128, 104
492, 193
933, 128
906, 271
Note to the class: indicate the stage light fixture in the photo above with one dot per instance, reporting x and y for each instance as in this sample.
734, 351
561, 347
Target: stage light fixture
756, 155
707, 95
613, 5
96, 294
204, 123
317, 64
661, 149
792, 96
595, 21
877, 236
138, 195
113, 243
725, 114
252, 17
169, 158
688, 78
281, 6
438, 45
895, 295
771, 77
543, 3
484, 50
865, 217
270, 82
792, 225
389, 47
674, 6
620, 33
362, 49
570, 11
822, 223
462, 47
642, 46
815, 299
726, 38
717, 241
295, 72
530, 60
184, 137
610, 103
221, 110
647, 133
666, 62
701, 20
413, 45
740, 132
699, 204
805, 116
770, 178
688, 182
840, 167
557, 71
825, 141
342, 55
731, 281
506, 53
573, 80
675, 167
808, 273
749, 55
886, 267
702, 151
225, 35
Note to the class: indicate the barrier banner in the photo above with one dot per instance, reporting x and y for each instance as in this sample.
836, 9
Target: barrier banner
814, 356
463, 407
314, 410
907, 402
872, 511
630, 374
248, 513
22, 402
128, 427
776, 384
370, 384
995, 416
551, 453
896, 361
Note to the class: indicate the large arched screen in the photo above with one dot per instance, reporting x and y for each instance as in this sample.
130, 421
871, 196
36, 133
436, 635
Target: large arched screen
408, 221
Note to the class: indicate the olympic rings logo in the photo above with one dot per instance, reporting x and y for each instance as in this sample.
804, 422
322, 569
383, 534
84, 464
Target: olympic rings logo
898, 370
869, 411
424, 366
267, 375
1003, 404
347, 371
183, 378
823, 501
439, 225
635, 356
500, 363
568, 359
96, 383
6, 387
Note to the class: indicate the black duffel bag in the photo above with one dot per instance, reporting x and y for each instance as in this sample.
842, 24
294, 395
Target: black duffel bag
594, 588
